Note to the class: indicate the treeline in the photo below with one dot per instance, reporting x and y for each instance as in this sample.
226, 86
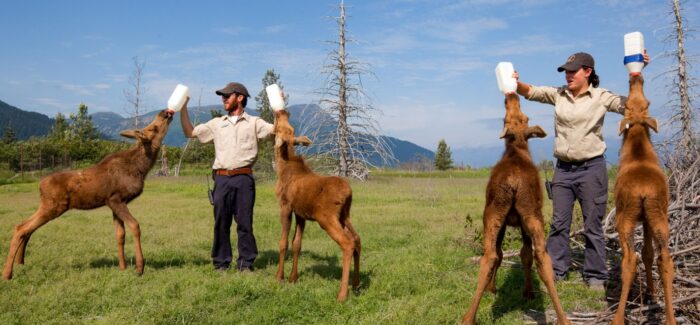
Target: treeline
74, 142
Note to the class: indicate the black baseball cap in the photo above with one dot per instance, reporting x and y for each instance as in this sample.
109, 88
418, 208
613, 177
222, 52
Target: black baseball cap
233, 87
576, 61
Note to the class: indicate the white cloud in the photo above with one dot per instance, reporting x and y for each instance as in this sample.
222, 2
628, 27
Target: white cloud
274, 29
230, 30
51, 102
461, 31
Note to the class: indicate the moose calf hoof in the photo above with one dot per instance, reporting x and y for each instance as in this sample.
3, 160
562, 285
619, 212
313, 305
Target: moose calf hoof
342, 298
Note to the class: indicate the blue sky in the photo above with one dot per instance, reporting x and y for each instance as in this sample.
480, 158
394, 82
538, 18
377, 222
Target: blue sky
433, 61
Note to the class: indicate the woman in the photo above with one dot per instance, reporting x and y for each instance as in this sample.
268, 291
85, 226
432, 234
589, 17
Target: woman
580, 172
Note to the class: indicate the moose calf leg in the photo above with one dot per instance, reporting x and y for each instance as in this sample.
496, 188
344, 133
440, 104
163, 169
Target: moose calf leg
24, 230
648, 259
286, 221
534, 227
628, 267
487, 264
526, 261
122, 212
120, 235
351, 233
296, 248
665, 263
347, 245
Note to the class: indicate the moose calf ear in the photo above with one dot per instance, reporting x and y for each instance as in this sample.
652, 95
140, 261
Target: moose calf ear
624, 125
302, 140
278, 142
535, 132
652, 123
129, 134
134, 134
504, 133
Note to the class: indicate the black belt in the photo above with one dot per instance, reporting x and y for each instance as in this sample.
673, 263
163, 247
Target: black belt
565, 164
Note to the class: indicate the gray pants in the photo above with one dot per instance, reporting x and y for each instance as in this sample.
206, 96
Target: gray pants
586, 182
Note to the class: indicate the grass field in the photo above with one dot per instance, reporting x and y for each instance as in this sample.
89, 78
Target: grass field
416, 268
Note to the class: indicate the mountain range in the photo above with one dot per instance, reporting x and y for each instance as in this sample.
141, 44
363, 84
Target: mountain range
27, 124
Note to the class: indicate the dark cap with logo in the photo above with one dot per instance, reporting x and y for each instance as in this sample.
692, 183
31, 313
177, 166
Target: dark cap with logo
576, 61
233, 87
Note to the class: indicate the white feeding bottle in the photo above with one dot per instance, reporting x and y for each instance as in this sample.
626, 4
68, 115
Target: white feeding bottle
504, 76
178, 98
274, 95
634, 49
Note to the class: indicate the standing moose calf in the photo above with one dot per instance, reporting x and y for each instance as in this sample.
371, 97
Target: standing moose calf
514, 198
114, 182
324, 199
641, 194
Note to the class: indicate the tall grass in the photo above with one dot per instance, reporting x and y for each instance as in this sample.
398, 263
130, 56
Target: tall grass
416, 266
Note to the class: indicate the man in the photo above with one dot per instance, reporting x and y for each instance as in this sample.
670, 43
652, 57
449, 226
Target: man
235, 136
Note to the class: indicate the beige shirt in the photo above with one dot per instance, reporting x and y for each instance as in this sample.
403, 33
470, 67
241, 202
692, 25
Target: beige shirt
578, 122
235, 140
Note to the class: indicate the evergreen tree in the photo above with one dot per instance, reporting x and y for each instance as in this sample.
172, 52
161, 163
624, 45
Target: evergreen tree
263, 103
59, 131
265, 150
9, 135
443, 156
81, 127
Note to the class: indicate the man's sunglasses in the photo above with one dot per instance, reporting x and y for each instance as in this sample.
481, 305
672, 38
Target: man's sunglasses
226, 96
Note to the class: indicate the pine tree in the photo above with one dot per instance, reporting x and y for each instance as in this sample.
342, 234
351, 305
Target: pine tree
9, 135
443, 156
262, 102
59, 131
81, 127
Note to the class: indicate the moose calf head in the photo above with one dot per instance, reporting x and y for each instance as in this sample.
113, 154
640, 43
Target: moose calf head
637, 107
154, 133
515, 124
284, 132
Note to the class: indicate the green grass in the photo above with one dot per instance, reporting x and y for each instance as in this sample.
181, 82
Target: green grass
416, 266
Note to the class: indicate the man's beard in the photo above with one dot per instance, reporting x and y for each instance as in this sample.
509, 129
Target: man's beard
234, 107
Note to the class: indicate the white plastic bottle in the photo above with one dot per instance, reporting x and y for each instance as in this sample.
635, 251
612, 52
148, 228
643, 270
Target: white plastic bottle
274, 95
504, 76
178, 98
634, 49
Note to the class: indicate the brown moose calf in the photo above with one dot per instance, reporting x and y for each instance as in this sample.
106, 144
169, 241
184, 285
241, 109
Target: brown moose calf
514, 198
324, 199
641, 194
114, 182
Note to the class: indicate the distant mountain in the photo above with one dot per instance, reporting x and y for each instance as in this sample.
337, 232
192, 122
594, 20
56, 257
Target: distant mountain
25, 124
111, 124
540, 149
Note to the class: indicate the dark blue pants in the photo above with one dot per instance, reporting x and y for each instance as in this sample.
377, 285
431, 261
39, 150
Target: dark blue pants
587, 183
234, 197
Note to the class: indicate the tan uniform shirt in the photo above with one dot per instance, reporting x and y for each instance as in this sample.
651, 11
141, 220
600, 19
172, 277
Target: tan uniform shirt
578, 122
235, 141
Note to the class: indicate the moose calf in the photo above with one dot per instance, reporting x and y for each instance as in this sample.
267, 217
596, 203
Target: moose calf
309, 196
114, 182
514, 198
641, 194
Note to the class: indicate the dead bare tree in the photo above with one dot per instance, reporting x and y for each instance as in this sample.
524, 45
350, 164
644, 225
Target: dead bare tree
187, 144
346, 127
136, 91
681, 148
